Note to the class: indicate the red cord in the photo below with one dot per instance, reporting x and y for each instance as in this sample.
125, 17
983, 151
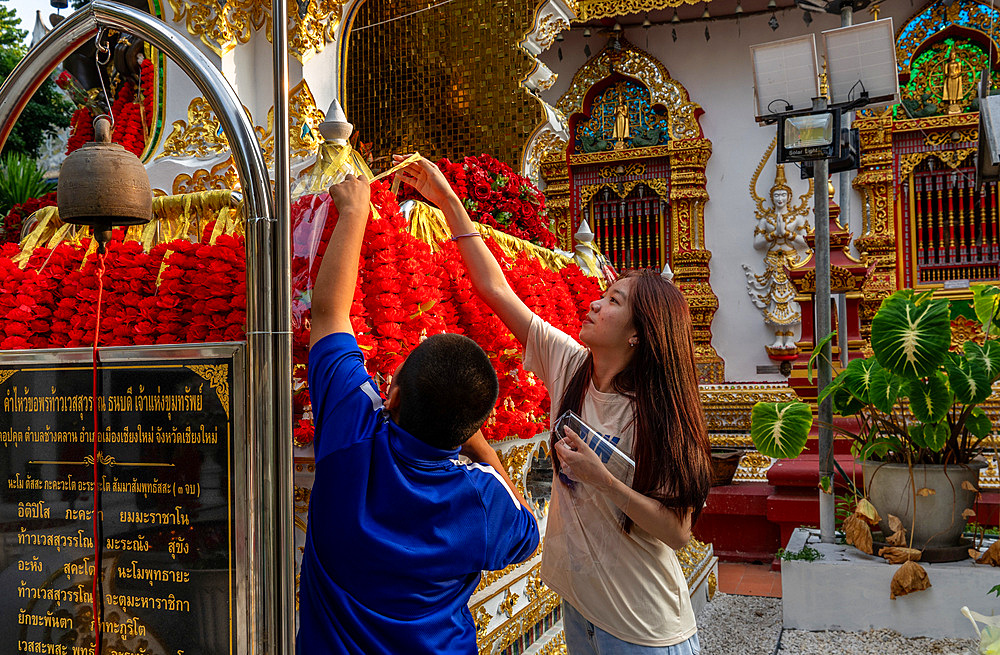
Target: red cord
97, 543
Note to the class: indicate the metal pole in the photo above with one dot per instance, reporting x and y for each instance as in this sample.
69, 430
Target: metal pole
282, 547
825, 372
264, 431
846, 20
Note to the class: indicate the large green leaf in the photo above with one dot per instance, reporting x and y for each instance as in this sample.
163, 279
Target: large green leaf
858, 378
844, 403
967, 378
780, 429
988, 355
887, 389
986, 302
978, 423
930, 399
936, 435
910, 336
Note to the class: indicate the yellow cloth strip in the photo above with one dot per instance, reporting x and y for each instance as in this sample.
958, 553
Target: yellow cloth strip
403, 164
428, 224
174, 217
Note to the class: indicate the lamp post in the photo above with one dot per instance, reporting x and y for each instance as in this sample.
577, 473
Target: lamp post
862, 72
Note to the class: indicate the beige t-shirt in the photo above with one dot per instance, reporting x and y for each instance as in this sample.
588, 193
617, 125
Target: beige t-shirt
630, 585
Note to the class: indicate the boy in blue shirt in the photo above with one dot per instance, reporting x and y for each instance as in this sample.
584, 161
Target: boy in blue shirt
399, 529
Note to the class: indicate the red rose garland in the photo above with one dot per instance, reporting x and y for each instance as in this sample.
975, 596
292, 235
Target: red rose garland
496, 196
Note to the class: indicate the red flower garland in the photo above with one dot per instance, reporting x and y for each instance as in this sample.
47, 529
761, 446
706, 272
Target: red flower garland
196, 292
132, 110
14, 219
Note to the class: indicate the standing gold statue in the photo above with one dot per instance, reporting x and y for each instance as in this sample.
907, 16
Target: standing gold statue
952, 91
779, 234
622, 129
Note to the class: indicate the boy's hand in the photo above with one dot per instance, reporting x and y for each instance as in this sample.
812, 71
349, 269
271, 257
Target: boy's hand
352, 196
426, 178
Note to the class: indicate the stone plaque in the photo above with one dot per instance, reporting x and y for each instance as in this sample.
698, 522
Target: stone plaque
169, 464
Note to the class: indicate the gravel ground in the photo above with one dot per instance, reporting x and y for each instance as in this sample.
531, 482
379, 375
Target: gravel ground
749, 625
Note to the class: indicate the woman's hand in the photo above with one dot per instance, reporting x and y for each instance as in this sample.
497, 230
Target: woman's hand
581, 464
426, 178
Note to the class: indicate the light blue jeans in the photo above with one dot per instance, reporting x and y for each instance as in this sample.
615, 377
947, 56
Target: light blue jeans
585, 638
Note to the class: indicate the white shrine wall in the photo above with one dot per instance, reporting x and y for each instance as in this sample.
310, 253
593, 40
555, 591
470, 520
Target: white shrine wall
718, 75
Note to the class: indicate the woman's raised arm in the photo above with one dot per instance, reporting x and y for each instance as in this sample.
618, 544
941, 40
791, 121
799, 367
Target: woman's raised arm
487, 278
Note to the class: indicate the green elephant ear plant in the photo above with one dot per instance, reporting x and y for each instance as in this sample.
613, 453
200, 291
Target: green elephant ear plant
915, 403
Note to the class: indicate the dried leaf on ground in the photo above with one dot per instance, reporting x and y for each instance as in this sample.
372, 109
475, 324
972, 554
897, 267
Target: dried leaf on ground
858, 533
968, 513
924, 491
991, 556
974, 554
909, 578
968, 486
866, 511
898, 536
898, 555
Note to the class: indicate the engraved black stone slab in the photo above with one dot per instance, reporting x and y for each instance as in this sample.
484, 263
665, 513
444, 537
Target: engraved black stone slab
169, 459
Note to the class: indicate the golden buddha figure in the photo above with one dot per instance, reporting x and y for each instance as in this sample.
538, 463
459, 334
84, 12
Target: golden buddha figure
952, 91
622, 129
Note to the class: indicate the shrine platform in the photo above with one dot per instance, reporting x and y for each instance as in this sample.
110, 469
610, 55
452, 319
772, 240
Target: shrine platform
750, 521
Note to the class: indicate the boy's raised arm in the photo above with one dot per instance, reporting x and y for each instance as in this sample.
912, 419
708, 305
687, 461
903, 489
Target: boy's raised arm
338, 274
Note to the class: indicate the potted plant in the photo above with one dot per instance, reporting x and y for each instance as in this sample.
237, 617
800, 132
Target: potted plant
919, 427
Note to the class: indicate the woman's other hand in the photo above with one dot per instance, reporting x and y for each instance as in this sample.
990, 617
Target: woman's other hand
581, 464
426, 178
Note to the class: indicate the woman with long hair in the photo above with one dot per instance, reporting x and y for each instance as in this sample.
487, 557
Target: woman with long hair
610, 540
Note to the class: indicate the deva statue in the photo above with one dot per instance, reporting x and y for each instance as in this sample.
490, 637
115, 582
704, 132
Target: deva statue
779, 234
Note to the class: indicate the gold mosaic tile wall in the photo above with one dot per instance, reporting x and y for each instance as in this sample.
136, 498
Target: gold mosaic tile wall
445, 81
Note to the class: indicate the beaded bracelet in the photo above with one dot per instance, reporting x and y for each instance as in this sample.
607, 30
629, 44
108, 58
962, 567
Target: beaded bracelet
456, 237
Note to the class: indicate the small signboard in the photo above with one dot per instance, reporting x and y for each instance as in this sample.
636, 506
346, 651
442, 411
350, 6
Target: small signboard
170, 463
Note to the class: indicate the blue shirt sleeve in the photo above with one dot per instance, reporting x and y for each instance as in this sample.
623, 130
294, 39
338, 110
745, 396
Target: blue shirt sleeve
345, 400
511, 530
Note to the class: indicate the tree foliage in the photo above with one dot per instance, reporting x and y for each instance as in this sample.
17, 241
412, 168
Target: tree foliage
47, 112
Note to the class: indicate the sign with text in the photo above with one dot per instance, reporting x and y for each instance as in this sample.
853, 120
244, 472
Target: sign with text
170, 457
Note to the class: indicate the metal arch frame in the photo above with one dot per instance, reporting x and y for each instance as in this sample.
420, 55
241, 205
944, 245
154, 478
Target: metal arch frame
269, 475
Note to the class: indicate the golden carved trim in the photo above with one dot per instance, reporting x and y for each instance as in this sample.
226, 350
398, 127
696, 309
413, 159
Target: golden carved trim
6, 374
222, 176
713, 585
618, 155
312, 27
631, 169
217, 376
548, 28
546, 143
953, 158
955, 136
948, 121
201, 136
591, 9
305, 117
632, 62
221, 25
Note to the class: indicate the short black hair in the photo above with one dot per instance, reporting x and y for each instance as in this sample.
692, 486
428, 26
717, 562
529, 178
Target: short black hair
447, 389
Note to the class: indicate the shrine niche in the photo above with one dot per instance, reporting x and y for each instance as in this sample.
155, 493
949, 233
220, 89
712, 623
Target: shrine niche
634, 169
924, 224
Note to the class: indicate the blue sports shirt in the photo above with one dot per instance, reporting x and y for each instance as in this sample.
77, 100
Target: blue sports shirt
399, 531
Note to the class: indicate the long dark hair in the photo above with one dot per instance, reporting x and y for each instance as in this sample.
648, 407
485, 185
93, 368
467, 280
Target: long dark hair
671, 448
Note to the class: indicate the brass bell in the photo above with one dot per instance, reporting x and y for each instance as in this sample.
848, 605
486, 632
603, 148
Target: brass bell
104, 186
